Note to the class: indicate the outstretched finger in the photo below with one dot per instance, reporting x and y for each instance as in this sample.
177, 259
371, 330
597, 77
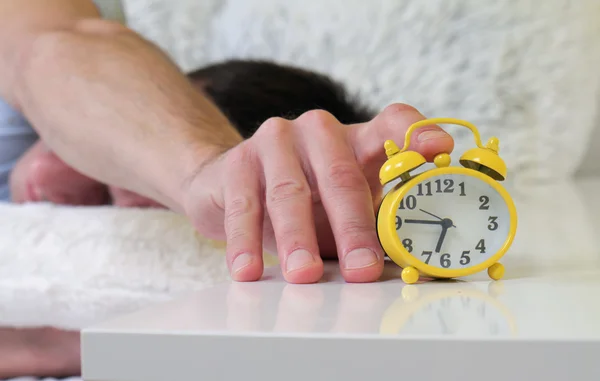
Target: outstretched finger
345, 195
243, 216
289, 203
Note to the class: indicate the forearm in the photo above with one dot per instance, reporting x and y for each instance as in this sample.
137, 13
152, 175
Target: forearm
22, 20
116, 108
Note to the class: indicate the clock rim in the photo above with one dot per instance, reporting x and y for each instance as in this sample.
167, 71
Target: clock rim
386, 224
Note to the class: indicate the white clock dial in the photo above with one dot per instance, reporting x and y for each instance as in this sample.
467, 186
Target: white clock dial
452, 221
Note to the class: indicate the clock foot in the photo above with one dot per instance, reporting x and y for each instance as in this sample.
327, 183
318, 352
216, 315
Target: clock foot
410, 275
496, 271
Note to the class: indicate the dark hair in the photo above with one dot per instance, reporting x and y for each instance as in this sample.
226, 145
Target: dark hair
250, 92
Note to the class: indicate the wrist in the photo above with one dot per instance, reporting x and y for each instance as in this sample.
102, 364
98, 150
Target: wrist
189, 162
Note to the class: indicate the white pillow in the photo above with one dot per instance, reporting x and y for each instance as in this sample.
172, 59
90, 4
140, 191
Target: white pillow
521, 70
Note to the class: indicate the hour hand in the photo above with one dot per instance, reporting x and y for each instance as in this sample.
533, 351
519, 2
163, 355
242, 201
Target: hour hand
438, 247
426, 222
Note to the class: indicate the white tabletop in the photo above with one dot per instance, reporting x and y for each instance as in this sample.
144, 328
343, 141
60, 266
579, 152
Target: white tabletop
541, 322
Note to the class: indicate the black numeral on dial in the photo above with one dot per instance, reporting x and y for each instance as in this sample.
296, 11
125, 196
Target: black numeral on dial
407, 243
428, 254
427, 187
398, 223
485, 200
493, 225
411, 202
464, 258
445, 186
445, 260
481, 246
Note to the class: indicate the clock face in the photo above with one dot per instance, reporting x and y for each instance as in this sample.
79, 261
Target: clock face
452, 221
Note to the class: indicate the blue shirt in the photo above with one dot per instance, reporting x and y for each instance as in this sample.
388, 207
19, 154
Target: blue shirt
16, 136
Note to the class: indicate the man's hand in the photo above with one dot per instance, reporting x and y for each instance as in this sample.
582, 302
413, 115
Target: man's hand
40, 175
310, 188
39, 352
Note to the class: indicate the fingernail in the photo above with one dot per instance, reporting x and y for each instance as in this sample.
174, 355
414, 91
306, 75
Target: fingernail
298, 259
241, 261
360, 258
432, 134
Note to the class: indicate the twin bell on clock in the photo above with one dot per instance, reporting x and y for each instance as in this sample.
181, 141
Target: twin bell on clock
450, 221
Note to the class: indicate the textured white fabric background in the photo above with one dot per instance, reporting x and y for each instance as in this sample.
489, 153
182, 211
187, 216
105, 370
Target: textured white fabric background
524, 71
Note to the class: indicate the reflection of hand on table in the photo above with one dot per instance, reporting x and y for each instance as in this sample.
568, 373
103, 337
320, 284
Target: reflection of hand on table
39, 352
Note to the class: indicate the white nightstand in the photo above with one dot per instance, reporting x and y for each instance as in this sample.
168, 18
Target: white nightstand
542, 322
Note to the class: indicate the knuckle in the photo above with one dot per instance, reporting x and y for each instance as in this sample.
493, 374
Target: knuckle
288, 189
397, 109
240, 155
320, 119
236, 234
353, 227
274, 127
346, 176
39, 168
239, 206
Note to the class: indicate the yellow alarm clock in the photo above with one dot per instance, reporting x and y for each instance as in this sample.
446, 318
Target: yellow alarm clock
449, 221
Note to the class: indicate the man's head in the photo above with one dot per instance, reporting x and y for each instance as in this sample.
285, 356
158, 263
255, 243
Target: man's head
250, 92
247, 92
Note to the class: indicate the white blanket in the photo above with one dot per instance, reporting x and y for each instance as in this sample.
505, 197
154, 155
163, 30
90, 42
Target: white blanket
70, 267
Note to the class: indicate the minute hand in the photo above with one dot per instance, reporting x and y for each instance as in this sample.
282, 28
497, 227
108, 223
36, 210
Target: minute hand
424, 222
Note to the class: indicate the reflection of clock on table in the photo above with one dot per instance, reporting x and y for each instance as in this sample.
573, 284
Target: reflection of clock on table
446, 222
448, 309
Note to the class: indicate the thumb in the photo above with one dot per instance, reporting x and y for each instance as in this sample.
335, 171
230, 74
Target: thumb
367, 139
